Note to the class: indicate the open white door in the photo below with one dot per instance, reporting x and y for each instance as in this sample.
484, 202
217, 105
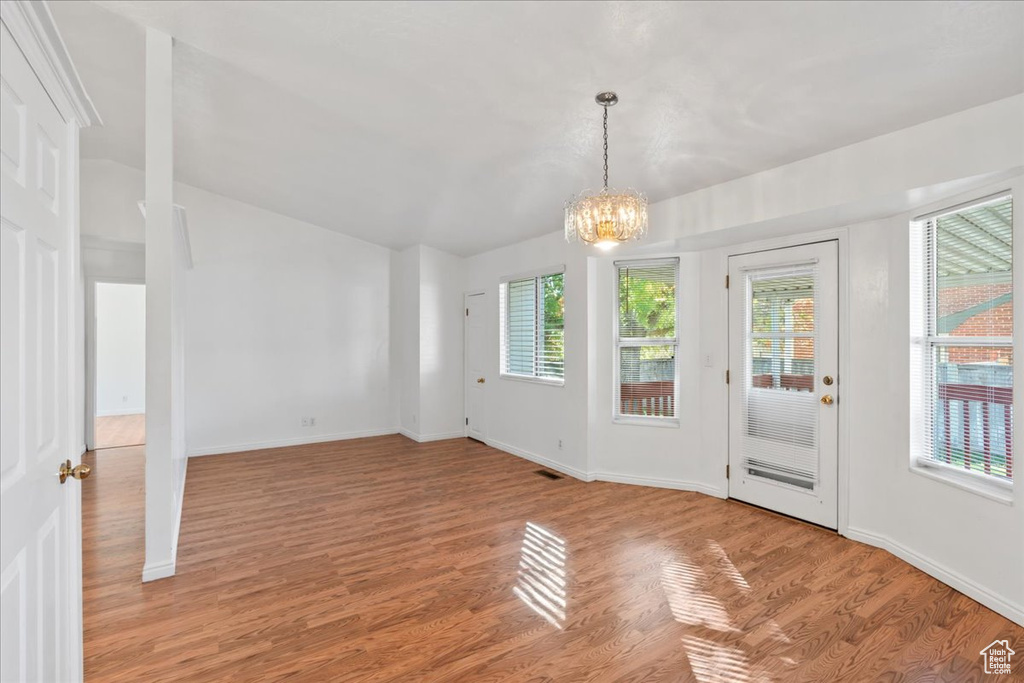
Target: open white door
40, 550
476, 405
784, 387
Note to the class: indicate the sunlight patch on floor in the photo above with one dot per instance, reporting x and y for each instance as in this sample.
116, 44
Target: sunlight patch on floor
684, 584
541, 583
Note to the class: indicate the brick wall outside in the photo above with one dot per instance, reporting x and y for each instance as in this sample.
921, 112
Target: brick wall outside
997, 321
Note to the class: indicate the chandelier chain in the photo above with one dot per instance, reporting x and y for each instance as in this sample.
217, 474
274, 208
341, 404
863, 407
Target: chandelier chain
606, 148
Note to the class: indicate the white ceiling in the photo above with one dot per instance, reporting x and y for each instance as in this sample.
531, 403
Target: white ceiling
466, 125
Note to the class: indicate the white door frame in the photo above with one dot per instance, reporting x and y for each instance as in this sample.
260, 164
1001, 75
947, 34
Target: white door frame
90, 348
465, 360
846, 374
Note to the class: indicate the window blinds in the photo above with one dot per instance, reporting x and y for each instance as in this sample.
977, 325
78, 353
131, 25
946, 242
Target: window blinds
532, 312
780, 406
962, 350
646, 338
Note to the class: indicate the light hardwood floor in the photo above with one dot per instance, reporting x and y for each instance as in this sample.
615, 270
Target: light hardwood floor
115, 431
385, 560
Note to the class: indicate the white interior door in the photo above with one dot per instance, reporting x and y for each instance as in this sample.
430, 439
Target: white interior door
40, 554
784, 387
476, 405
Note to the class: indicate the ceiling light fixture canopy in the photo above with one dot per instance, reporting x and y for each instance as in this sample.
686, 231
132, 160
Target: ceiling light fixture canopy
608, 217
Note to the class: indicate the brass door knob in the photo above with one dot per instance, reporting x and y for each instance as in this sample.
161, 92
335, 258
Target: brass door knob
827, 399
77, 472
480, 380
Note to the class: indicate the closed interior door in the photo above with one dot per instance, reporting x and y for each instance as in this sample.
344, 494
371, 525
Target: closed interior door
784, 386
476, 381
40, 622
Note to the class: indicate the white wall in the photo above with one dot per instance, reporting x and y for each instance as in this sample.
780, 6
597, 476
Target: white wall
406, 300
286, 321
110, 197
428, 353
120, 349
440, 345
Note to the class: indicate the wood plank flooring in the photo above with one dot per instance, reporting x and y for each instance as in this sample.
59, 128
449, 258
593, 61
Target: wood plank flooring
115, 431
385, 560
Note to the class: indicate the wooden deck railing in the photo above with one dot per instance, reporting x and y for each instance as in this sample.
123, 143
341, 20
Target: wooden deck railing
986, 397
653, 399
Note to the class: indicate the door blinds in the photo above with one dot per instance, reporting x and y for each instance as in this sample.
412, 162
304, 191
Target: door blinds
780, 408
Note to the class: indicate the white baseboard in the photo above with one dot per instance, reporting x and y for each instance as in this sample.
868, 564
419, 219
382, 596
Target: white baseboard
539, 459
1014, 613
160, 570
659, 483
424, 438
294, 441
125, 411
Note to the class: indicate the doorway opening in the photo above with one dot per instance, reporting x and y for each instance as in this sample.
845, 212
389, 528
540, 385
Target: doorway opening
119, 415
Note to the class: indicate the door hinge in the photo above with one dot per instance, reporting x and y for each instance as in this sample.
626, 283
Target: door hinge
726, 471
727, 282
726, 376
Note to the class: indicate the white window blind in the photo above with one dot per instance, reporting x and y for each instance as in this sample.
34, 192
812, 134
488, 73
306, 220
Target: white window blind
962, 339
646, 338
532, 312
780, 413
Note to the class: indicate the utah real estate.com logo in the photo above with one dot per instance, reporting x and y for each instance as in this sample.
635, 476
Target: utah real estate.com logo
997, 657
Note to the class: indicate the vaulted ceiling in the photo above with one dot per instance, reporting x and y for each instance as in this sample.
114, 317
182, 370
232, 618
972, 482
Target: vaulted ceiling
466, 125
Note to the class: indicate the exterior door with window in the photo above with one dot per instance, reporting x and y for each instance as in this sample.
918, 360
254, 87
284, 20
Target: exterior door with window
784, 387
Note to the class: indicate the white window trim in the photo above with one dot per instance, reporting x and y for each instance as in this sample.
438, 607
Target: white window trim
974, 482
618, 344
535, 275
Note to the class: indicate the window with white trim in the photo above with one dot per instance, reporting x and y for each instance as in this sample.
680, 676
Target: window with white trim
646, 339
532, 311
962, 340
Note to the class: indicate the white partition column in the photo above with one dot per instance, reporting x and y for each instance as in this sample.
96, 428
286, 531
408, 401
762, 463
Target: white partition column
160, 492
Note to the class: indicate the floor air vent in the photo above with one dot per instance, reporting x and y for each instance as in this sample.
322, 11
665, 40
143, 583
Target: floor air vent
549, 475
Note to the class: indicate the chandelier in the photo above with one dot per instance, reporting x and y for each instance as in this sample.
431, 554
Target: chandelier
610, 216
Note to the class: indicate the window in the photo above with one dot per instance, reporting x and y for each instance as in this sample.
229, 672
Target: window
646, 339
962, 340
533, 327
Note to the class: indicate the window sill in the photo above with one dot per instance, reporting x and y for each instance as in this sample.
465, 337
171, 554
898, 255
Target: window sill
991, 490
547, 381
637, 421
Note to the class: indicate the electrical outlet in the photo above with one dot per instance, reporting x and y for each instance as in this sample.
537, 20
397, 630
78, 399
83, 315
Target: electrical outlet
305, 422
124, 399
312, 422
709, 360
